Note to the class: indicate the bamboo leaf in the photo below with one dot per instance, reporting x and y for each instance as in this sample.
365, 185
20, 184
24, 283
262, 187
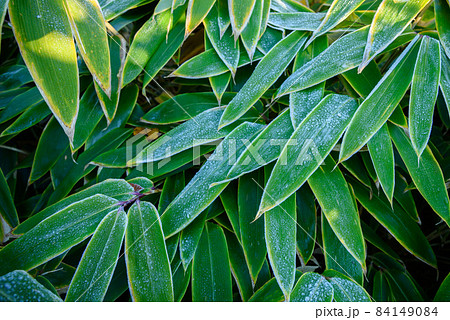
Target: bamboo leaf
224, 45
165, 51
89, 29
306, 223
190, 237
337, 257
303, 21
198, 194
201, 129
7, 208
312, 287
19, 286
398, 223
113, 188
144, 45
424, 93
444, 83
239, 267
56, 234
425, 173
280, 233
250, 35
265, 148
310, 143
382, 155
250, 190
223, 16
442, 12
343, 55
211, 276
112, 9
265, 74
339, 207
345, 289
338, 12
182, 107
148, 266
197, 11
51, 146
50, 55
117, 49
302, 102
381, 289
240, 12
369, 117
391, 19
95, 270
3, 8
443, 292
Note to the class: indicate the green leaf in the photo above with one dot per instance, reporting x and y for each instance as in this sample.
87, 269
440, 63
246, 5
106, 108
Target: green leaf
397, 222
381, 289
240, 12
7, 208
89, 30
312, 287
372, 237
339, 207
269, 69
112, 9
198, 194
345, 289
442, 12
148, 266
182, 107
225, 47
302, 102
337, 257
197, 11
56, 234
445, 79
29, 118
3, 7
288, 6
219, 85
173, 185
280, 226
382, 155
19, 286
95, 270
89, 116
239, 267
443, 293
223, 16
51, 146
310, 143
190, 237
338, 12
201, 129
250, 35
306, 223
303, 21
343, 55
20, 103
230, 204
252, 232
425, 173
50, 55
209, 64
424, 93
211, 276
165, 51
113, 188
144, 45
391, 19
265, 148
117, 49
369, 117
181, 279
